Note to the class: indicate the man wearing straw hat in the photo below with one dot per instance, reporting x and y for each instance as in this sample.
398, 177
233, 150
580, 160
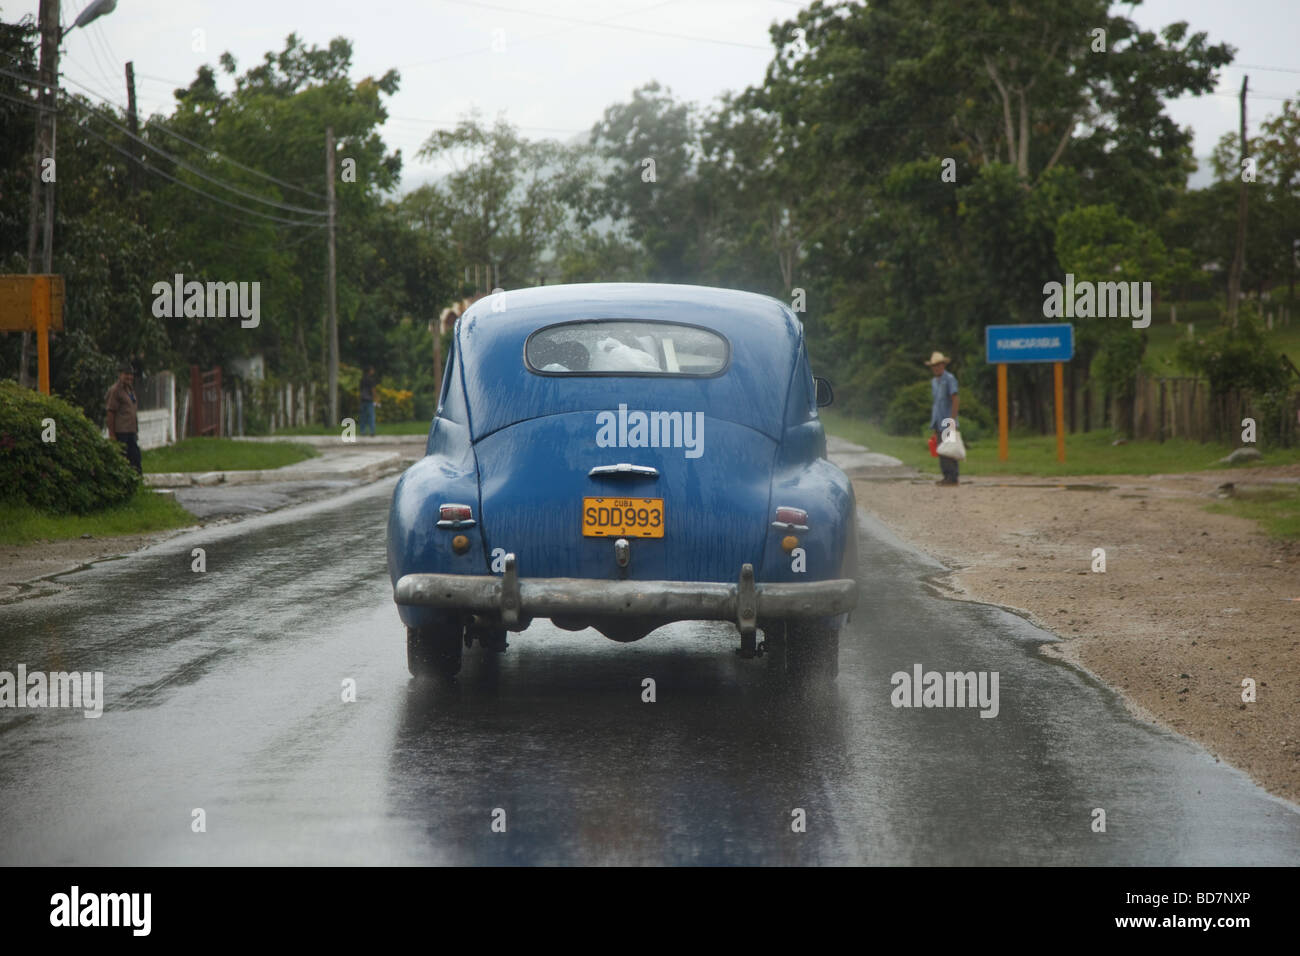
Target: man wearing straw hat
943, 390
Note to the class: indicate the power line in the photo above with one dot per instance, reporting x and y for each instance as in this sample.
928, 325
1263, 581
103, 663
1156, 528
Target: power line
609, 26
30, 104
452, 125
234, 162
98, 73
175, 84
288, 207
157, 124
418, 120
216, 154
534, 36
108, 44
179, 182
1256, 66
95, 49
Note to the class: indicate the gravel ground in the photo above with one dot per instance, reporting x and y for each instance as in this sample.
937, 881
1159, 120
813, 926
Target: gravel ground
1189, 605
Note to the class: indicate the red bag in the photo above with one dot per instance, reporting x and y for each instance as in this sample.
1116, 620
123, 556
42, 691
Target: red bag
934, 446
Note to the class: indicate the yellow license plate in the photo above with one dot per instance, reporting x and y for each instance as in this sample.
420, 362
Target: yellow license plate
623, 517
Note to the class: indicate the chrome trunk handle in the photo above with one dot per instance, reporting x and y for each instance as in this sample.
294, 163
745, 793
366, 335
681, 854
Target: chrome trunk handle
623, 470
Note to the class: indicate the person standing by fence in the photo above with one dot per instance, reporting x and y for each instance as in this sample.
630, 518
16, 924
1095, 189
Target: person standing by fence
121, 416
368, 401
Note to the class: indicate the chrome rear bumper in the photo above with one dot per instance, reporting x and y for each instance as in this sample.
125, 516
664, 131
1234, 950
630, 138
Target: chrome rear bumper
516, 599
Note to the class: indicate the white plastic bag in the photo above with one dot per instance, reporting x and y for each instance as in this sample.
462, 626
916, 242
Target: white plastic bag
952, 446
611, 355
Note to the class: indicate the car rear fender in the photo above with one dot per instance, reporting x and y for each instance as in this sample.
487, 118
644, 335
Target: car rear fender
823, 550
447, 475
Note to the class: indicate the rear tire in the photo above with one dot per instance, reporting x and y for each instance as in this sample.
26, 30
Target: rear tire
812, 651
434, 652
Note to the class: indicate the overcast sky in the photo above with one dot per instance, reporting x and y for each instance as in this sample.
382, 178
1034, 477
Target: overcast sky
552, 66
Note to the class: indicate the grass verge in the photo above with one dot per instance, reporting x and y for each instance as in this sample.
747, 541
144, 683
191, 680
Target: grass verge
224, 454
1086, 453
1277, 510
146, 511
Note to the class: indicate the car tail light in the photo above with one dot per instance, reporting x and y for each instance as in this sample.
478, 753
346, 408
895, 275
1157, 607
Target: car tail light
455, 516
787, 517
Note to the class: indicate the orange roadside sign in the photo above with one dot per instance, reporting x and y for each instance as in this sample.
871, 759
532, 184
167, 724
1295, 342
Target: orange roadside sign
22, 297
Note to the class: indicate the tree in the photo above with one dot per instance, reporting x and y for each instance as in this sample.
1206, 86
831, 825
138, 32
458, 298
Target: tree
1098, 244
274, 121
502, 203
1275, 212
938, 144
652, 150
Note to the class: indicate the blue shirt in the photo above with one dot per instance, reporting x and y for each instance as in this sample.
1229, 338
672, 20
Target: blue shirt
942, 389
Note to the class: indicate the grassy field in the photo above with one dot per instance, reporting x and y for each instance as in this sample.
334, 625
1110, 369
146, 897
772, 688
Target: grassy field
1276, 509
1088, 453
224, 454
418, 427
147, 511
1163, 338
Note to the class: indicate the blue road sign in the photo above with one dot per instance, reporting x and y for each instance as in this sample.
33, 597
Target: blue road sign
1029, 343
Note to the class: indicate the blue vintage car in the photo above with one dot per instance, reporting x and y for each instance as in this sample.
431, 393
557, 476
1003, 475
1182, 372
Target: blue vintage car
622, 456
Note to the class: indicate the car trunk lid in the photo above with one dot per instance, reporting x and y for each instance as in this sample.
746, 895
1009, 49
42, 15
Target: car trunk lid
539, 477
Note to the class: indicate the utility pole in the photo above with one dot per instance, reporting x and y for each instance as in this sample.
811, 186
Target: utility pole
50, 92
331, 300
44, 148
1239, 253
132, 120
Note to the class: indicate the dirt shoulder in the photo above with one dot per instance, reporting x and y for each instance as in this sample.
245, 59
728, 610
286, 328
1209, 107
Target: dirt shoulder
1189, 605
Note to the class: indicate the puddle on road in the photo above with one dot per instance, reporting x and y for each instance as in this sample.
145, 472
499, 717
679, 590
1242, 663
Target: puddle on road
1064, 487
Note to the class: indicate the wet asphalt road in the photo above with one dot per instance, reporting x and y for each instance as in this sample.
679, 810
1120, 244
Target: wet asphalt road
224, 693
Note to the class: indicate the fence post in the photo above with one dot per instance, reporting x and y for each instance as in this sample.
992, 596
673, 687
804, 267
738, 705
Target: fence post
170, 379
185, 414
196, 399
1160, 430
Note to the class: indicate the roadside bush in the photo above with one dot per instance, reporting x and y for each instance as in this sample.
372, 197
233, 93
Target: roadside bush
1246, 360
349, 393
909, 413
882, 385
395, 405
1242, 358
80, 471
910, 410
1276, 409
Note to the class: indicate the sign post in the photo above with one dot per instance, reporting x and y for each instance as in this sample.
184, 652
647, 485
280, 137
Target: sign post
33, 303
1002, 411
1058, 375
1030, 343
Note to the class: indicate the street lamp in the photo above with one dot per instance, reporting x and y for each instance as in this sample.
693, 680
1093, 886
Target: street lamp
92, 12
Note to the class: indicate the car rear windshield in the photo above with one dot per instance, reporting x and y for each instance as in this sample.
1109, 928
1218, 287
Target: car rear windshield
626, 347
